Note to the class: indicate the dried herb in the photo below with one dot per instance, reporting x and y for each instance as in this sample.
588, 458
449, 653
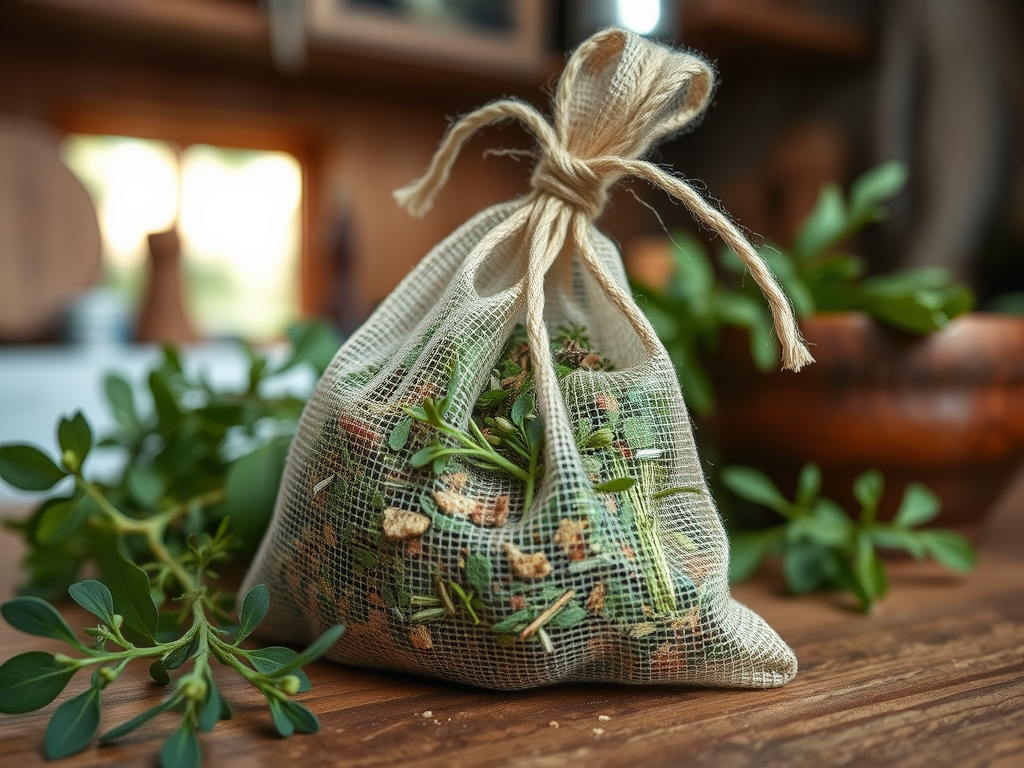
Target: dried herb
504, 434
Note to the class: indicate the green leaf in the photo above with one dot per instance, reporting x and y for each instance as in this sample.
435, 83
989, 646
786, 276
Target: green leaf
28, 468
806, 566
785, 271
842, 576
181, 652
906, 312
158, 672
168, 411
75, 436
514, 623
254, 609
122, 401
638, 433
868, 489
491, 398
428, 615
824, 227
828, 525
808, 485
251, 486
747, 312
693, 276
426, 455
693, 379
569, 616
95, 598
212, 707
950, 549
747, 551
74, 725
873, 188
304, 720
754, 486
282, 722
63, 517
616, 485
31, 681
35, 616
891, 537
521, 408
268, 661
130, 590
181, 750
316, 649
145, 485
400, 434
919, 506
314, 342
870, 570
479, 573
140, 719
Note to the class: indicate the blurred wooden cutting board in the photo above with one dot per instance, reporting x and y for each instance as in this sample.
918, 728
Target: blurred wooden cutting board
49, 235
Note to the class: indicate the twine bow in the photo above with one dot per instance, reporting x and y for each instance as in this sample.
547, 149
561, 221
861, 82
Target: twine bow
619, 95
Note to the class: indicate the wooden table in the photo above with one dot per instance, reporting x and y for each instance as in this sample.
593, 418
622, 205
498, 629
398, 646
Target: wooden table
935, 677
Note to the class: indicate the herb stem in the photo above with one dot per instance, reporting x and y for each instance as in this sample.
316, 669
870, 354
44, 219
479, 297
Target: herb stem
546, 615
531, 476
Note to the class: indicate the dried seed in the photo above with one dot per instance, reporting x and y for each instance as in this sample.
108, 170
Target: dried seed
456, 481
643, 630
455, 504
569, 537
533, 565
419, 636
400, 524
595, 601
688, 620
491, 515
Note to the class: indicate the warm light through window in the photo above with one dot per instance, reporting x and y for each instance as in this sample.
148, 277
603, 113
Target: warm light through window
238, 214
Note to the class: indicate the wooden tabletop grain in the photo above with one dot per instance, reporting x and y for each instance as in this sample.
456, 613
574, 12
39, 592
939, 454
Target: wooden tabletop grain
934, 677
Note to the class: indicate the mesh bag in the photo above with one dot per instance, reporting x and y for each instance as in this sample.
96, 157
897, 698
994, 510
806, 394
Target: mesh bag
495, 481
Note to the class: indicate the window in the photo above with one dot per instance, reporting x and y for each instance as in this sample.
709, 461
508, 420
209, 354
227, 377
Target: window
238, 214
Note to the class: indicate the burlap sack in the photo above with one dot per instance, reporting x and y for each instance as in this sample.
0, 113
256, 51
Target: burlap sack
591, 548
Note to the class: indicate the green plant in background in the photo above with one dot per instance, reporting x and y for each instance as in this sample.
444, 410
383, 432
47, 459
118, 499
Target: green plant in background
691, 310
200, 454
823, 547
154, 534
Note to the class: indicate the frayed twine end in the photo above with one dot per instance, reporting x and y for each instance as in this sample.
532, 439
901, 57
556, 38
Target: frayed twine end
796, 357
411, 199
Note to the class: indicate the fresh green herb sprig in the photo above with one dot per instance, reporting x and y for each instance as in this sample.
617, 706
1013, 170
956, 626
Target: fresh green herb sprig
697, 302
823, 547
523, 436
199, 454
131, 620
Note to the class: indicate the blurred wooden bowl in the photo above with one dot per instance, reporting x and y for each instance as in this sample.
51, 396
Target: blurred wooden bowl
946, 410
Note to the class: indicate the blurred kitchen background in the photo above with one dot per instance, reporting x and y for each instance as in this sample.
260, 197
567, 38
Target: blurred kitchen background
198, 171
